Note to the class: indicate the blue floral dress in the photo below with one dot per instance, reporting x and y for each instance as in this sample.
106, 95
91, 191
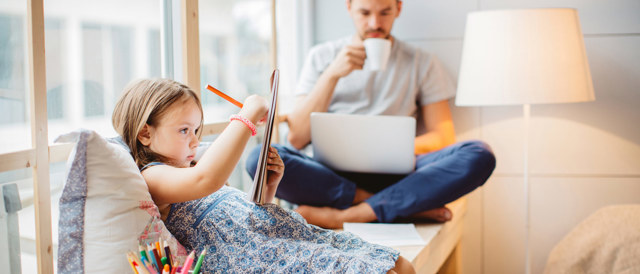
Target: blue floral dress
241, 236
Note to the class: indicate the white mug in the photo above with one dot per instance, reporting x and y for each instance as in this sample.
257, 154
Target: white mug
377, 50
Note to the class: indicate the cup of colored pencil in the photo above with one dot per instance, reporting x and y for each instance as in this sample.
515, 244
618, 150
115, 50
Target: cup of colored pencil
155, 258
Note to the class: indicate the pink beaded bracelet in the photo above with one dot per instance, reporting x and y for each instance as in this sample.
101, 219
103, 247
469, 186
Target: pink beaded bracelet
245, 121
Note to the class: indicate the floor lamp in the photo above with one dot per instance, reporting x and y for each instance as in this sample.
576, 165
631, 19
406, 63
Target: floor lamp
523, 57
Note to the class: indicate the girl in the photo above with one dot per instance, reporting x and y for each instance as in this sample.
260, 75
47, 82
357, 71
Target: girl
160, 120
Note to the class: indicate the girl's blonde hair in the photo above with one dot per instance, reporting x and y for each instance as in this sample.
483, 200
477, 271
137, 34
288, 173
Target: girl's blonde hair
145, 102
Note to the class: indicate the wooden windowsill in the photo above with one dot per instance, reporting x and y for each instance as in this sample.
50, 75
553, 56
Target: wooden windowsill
441, 241
439, 254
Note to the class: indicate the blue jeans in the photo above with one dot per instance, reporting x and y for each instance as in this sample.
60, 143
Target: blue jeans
440, 177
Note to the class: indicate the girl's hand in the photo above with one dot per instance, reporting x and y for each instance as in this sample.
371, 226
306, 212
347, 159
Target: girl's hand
254, 108
275, 171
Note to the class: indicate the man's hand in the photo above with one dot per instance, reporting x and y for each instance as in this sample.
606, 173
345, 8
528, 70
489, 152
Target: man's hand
350, 58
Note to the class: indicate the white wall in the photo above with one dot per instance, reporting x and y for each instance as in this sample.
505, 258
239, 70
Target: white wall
582, 156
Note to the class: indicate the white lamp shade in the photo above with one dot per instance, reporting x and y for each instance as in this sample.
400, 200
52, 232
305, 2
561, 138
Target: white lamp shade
528, 56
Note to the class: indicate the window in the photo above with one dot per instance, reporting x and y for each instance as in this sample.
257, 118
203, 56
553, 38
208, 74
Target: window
94, 49
14, 99
235, 39
54, 47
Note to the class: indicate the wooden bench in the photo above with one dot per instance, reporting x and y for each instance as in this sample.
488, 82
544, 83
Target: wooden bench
441, 253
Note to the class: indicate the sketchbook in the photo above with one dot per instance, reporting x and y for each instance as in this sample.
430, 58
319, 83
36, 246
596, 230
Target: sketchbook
260, 178
386, 234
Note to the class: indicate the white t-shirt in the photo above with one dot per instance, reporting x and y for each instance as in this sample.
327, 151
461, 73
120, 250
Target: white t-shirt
412, 78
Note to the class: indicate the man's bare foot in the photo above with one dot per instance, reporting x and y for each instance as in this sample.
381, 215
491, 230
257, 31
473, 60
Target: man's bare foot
320, 216
329, 217
361, 195
441, 214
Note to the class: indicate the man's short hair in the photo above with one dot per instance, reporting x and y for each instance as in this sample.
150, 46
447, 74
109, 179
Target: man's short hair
396, 1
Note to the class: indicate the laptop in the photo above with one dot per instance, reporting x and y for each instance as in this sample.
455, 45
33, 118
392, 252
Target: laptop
364, 143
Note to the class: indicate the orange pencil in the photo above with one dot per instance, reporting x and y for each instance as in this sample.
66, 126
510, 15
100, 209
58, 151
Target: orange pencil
165, 270
159, 250
224, 96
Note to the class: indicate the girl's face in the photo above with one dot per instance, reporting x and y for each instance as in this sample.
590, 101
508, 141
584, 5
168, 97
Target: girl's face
175, 135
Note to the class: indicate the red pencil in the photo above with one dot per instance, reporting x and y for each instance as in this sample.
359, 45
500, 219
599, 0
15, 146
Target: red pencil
157, 256
224, 96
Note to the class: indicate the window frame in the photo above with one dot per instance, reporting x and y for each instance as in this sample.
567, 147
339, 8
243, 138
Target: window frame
41, 154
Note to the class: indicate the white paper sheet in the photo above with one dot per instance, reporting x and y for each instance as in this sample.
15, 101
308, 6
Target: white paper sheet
386, 234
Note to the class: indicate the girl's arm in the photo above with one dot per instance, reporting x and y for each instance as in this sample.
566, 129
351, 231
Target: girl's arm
169, 184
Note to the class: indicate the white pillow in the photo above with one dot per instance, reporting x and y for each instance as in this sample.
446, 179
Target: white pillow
104, 207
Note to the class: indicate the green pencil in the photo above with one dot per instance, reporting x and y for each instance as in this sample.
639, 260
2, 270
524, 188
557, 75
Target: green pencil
196, 270
143, 252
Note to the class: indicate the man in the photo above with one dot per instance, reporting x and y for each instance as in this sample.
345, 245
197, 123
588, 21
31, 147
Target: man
413, 84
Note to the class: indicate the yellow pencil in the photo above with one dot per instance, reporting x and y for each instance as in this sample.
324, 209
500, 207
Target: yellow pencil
132, 264
137, 261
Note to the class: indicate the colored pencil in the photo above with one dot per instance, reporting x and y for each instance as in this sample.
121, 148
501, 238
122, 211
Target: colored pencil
152, 258
143, 252
140, 269
165, 270
159, 250
164, 261
188, 263
196, 269
132, 263
224, 96
137, 262
157, 257
149, 266
174, 269
167, 252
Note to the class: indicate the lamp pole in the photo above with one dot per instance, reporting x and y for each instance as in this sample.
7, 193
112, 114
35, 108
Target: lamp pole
526, 115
